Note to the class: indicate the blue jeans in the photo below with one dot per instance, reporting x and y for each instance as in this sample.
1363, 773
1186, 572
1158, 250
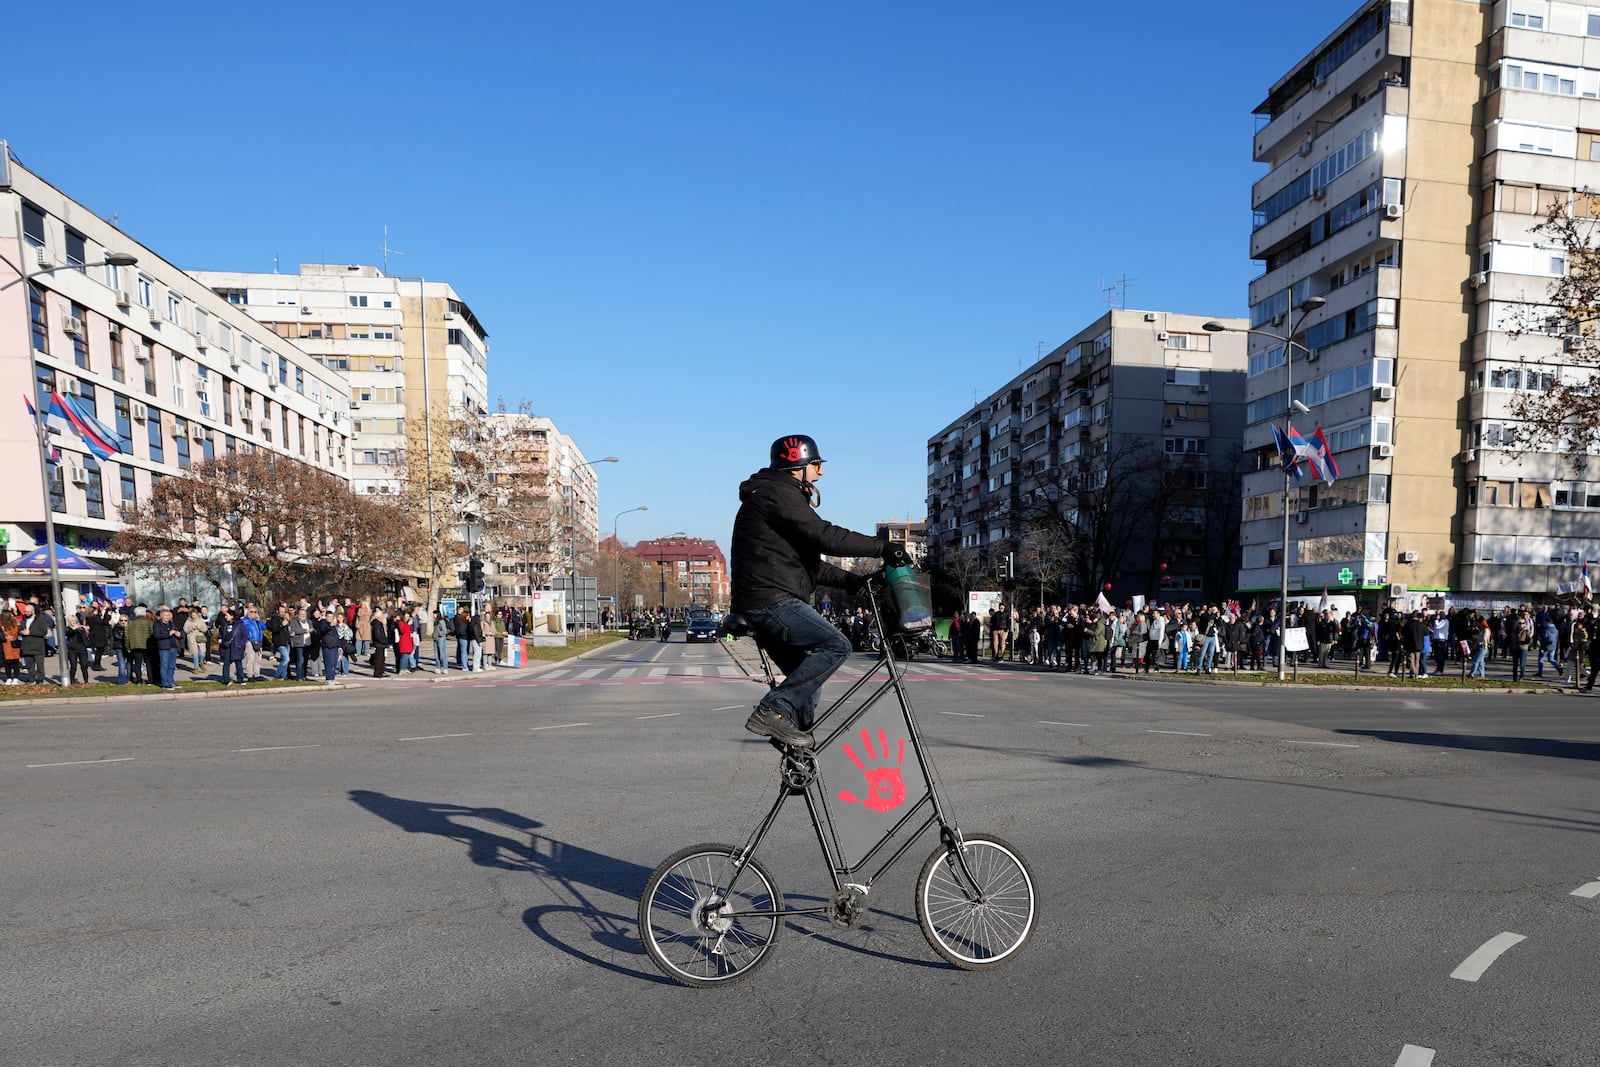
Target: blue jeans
168, 658
283, 662
440, 657
330, 663
462, 660
199, 658
1208, 653
806, 647
122, 666
1477, 661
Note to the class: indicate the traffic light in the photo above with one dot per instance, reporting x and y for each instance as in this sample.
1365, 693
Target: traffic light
475, 576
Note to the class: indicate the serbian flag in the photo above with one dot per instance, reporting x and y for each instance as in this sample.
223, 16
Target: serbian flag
1321, 456
1588, 590
103, 442
50, 425
1288, 450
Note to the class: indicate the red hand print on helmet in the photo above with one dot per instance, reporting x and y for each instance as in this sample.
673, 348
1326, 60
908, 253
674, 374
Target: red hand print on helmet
886, 790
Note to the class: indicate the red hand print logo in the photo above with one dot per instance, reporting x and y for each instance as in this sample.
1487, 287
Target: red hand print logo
886, 790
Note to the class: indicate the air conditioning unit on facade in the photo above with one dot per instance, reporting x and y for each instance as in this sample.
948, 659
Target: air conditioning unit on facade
1393, 211
78, 475
234, 360
200, 340
1469, 455
1167, 422
1396, 590
197, 432
1202, 388
1383, 451
139, 412
1319, 192
43, 259
305, 310
1162, 337
124, 298
1383, 392
1300, 518
1306, 146
155, 317
67, 384
73, 327
1408, 557
141, 353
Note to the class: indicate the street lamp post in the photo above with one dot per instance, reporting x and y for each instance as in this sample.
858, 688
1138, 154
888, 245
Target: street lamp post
1306, 307
616, 546
42, 432
572, 534
661, 563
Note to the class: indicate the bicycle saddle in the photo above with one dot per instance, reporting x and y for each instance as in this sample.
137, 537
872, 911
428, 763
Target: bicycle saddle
736, 625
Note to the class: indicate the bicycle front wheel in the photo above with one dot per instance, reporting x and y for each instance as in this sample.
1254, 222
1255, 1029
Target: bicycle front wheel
979, 924
695, 930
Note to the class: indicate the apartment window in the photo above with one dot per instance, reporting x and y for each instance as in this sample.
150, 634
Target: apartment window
283, 370
360, 333
113, 276
224, 337
129, 486
118, 367
302, 426
208, 448
1184, 446
203, 390
300, 380
94, 488
149, 370
358, 301
158, 450
146, 292
80, 340
383, 333
124, 415
32, 225
77, 250
175, 311
58, 488
180, 441
38, 319
227, 403
1531, 16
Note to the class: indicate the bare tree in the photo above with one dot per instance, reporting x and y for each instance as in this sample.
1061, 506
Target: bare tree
1105, 506
270, 524
1048, 552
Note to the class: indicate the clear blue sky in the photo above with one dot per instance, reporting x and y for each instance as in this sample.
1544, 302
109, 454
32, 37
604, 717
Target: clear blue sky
691, 227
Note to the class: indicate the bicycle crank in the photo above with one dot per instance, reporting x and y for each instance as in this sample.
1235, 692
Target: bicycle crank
849, 905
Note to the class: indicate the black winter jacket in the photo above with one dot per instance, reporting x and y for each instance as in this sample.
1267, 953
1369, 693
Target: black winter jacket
779, 541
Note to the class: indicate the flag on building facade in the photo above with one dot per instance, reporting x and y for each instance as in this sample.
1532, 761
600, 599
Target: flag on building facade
1288, 451
103, 442
1320, 455
50, 425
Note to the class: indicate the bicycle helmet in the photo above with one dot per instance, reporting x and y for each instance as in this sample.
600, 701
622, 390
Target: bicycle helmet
794, 452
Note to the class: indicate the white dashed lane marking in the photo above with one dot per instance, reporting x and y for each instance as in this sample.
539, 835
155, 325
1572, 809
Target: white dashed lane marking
1588, 891
1178, 733
667, 715
560, 726
1473, 966
1414, 1056
1047, 722
81, 762
1325, 744
278, 748
431, 737
962, 714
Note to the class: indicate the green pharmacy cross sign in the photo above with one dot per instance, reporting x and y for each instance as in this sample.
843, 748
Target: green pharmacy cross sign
1346, 576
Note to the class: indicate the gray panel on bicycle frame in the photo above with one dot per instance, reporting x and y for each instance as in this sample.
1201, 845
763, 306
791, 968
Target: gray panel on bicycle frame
870, 778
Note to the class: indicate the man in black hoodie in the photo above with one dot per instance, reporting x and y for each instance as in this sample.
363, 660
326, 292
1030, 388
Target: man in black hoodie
778, 544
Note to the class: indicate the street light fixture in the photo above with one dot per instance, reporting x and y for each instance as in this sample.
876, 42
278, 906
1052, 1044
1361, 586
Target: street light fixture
42, 432
572, 533
1306, 307
616, 551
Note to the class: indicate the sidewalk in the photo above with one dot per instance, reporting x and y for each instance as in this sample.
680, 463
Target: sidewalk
353, 681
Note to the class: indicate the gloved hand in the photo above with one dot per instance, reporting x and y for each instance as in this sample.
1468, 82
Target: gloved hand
858, 582
896, 556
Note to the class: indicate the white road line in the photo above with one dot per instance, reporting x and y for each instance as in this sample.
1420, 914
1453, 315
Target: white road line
1473, 966
1326, 744
560, 672
431, 737
1588, 892
275, 748
660, 672
80, 762
562, 726
1414, 1056
14, 718
665, 715
526, 685
731, 707
1180, 733
1047, 722
593, 672
962, 714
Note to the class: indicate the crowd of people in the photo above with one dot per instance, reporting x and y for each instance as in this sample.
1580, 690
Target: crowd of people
1085, 639
290, 641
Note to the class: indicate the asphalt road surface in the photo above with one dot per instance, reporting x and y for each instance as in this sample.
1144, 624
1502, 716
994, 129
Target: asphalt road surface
421, 873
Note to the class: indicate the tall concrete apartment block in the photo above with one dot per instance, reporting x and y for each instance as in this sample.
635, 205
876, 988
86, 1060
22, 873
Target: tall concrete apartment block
151, 351
1122, 437
533, 451
412, 351
1411, 154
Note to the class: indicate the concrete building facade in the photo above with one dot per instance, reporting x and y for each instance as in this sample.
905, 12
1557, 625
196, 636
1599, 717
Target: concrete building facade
1411, 154
155, 354
1112, 449
692, 570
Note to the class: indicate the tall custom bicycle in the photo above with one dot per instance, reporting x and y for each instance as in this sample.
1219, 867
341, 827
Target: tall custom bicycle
712, 913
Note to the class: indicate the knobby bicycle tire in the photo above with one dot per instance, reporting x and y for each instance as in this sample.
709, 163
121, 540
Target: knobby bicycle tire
983, 933
694, 931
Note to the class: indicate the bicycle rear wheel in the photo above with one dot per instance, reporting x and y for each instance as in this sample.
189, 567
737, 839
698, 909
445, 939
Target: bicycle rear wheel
980, 930
697, 932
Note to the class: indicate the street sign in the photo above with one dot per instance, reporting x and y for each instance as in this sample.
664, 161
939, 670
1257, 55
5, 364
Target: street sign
447, 607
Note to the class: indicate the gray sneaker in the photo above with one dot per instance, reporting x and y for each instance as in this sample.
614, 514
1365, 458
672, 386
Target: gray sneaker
769, 723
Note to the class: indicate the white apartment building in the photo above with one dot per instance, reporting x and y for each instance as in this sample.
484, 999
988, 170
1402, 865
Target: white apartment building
412, 352
1410, 156
157, 355
1122, 439
530, 449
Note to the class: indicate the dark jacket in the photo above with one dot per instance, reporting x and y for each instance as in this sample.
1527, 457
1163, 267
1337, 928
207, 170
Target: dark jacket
164, 636
779, 541
34, 631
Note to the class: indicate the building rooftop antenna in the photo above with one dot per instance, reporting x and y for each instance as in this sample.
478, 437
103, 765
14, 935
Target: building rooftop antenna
1116, 293
387, 251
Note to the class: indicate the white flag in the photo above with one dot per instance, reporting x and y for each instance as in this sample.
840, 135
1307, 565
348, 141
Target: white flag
1104, 605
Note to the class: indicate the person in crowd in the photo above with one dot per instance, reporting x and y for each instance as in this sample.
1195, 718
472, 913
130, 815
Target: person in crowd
99, 624
78, 649
328, 641
136, 638
299, 627
441, 640
378, 641
164, 639
10, 631
196, 636
35, 632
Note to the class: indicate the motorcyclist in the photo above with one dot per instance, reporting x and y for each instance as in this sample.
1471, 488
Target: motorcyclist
776, 562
